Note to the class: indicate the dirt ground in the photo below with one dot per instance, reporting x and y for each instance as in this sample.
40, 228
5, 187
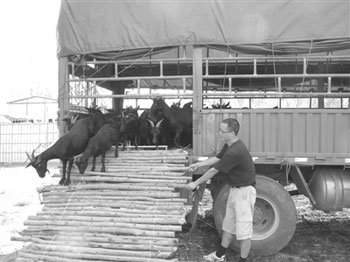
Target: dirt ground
319, 236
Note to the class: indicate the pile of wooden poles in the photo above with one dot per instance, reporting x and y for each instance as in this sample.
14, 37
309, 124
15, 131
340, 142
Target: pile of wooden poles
129, 213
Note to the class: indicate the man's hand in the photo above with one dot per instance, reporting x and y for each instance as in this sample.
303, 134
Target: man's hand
193, 167
191, 185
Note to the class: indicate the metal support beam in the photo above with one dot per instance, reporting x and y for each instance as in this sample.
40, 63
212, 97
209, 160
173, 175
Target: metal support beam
301, 184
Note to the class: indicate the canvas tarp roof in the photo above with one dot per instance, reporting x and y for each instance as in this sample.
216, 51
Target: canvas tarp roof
258, 26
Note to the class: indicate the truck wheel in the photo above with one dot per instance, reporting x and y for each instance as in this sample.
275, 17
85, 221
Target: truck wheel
274, 217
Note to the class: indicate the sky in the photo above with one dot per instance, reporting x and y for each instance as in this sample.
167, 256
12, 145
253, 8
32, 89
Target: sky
29, 64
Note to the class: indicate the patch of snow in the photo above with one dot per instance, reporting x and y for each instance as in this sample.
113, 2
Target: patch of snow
18, 200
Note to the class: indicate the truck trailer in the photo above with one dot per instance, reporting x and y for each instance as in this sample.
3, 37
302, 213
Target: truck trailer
281, 69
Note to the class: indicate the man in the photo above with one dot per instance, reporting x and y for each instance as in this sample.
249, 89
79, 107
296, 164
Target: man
235, 161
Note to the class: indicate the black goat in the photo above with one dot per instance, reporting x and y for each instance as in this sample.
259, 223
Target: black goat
130, 128
145, 136
69, 145
98, 145
221, 106
180, 119
65, 148
157, 134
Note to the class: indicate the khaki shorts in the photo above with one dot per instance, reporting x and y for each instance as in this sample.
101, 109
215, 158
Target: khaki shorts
238, 218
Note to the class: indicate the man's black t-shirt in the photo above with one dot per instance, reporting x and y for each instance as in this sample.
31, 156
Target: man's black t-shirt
237, 163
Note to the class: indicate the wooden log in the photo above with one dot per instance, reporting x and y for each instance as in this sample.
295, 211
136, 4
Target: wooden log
160, 221
101, 186
147, 157
30, 258
154, 168
156, 160
143, 175
141, 164
110, 224
97, 229
145, 246
115, 202
102, 251
134, 172
104, 238
38, 255
126, 179
112, 198
116, 214
165, 184
122, 193
131, 204
130, 179
149, 245
146, 153
119, 210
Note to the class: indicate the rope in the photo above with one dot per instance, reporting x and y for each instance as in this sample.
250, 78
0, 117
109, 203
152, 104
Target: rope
302, 82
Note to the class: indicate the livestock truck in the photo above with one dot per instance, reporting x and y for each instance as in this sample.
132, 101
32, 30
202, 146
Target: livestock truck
290, 97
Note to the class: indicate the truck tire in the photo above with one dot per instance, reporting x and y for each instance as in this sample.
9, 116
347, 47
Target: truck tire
274, 217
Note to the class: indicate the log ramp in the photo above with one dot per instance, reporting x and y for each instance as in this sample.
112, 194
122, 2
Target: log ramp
129, 213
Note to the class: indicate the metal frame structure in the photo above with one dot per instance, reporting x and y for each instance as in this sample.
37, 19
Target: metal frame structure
202, 77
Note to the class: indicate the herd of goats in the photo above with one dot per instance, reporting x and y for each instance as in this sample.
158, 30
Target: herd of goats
94, 134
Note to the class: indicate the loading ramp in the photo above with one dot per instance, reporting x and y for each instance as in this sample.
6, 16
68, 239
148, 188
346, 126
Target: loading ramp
131, 212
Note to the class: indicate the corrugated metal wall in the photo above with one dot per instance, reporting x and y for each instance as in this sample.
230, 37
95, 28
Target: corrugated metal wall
282, 133
16, 139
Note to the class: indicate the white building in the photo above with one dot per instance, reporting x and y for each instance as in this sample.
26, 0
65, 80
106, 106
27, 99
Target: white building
36, 108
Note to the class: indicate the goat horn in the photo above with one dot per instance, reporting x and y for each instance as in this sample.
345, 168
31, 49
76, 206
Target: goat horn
28, 155
30, 160
151, 122
74, 119
35, 150
159, 122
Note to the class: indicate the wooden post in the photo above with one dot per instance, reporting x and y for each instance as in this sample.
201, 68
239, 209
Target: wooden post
197, 98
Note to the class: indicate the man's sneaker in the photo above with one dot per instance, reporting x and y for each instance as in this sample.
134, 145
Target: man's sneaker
213, 258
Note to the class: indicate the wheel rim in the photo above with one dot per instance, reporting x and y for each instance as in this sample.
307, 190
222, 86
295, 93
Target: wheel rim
266, 218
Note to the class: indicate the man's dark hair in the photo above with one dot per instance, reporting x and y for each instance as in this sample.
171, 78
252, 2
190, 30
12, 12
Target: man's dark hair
233, 124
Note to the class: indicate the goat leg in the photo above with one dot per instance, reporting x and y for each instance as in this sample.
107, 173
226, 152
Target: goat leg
69, 169
124, 145
116, 151
177, 140
103, 168
135, 141
93, 168
64, 166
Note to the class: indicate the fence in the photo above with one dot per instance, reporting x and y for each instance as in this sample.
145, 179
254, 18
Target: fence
16, 139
